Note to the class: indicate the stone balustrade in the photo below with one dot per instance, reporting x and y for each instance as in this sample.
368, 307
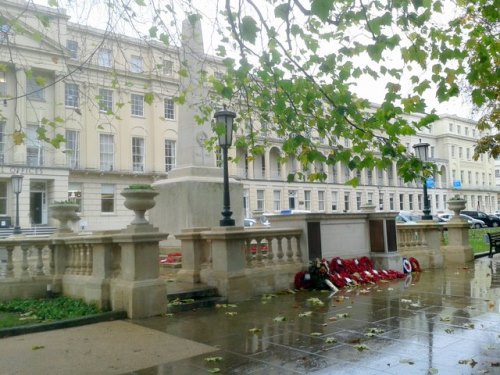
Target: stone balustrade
117, 270
241, 262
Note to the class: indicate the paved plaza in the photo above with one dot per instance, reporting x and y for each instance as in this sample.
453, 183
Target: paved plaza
436, 322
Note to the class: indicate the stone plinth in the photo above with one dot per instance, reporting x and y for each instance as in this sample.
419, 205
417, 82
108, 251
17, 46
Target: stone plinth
458, 249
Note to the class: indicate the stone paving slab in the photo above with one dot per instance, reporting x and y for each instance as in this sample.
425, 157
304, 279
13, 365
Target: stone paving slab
104, 348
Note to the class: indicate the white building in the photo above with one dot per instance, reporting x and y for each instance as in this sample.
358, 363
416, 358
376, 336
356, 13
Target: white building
94, 90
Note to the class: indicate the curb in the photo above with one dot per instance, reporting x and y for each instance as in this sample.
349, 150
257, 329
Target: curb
68, 323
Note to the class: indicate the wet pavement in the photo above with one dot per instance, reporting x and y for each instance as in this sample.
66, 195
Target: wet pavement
436, 322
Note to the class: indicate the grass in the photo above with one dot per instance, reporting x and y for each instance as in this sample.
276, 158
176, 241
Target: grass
19, 312
477, 239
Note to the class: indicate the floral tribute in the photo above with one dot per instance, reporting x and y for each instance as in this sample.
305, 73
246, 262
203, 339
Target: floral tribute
345, 272
171, 258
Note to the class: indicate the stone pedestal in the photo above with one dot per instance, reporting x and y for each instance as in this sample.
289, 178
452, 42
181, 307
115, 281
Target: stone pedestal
192, 201
458, 250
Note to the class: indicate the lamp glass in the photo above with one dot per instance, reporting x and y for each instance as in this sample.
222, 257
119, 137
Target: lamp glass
225, 118
17, 183
421, 151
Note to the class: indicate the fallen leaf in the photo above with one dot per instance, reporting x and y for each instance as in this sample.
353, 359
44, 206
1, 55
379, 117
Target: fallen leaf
330, 340
231, 313
471, 362
407, 361
37, 347
333, 318
213, 359
279, 319
344, 315
214, 370
316, 334
495, 364
304, 314
469, 325
315, 302
432, 371
449, 330
445, 319
361, 347
255, 331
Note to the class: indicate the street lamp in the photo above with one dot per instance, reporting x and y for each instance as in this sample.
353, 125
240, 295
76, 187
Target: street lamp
224, 128
17, 187
421, 151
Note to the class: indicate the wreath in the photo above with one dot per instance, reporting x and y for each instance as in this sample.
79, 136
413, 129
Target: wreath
415, 266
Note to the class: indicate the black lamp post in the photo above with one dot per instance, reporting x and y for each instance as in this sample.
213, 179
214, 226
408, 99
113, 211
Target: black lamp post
224, 128
421, 151
17, 187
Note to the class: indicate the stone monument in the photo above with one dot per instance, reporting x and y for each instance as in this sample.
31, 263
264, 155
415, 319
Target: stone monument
192, 195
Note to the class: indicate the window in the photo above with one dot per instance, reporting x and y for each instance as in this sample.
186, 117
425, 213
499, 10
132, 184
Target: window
34, 89
467, 151
307, 200
3, 84
391, 202
106, 149
2, 142
369, 198
460, 152
346, 202
466, 129
71, 95
453, 174
381, 201
136, 64
462, 176
263, 129
477, 178
334, 173
75, 194
72, 47
107, 198
432, 152
469, 175
347, 173
459, 129
169, 107
72, 149
260, 200
34, 149
369, 177
321, 200
380, 176
168, 67
169, 155
401, 201
451, 127
138, 154
358, 201
104, 58
292, 197
277, 200
334, 201
106, 100
484, 178
3, 198
410, 201
137, 105
419, 201
390, 176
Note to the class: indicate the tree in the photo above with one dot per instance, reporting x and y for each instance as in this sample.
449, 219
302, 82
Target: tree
298, 63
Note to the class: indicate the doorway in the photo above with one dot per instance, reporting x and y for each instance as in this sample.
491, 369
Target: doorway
38, 203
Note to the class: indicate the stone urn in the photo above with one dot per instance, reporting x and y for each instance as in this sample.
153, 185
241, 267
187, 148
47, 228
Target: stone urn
64, 212
139, 199
456, 204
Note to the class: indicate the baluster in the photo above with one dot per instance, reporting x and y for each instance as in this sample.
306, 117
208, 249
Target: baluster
270, 253
39, 260
280, 253
81, 259
51, 259
298, 252
74, 259
90, 259
248, 253
289, 252
10, 263
24, 265
258, 253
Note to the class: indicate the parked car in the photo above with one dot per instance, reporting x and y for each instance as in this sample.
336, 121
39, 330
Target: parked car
490, 221
406, 217
474, 223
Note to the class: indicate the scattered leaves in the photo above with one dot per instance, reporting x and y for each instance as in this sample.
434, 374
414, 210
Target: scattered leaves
37, 347
315, 302
225, 306
343, 315
449, 330
469, 325
330, 340
231, 313
214, 370
279, 319
407, 361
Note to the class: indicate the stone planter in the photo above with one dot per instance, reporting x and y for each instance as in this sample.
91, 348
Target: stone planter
64, 212
139, 201
456, 205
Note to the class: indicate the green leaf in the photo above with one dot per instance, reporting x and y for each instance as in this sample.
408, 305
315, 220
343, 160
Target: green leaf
248, 29
149, 97
282, 11
153, 31
321, 9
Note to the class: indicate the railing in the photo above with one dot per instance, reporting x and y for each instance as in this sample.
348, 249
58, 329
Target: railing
105, 268
241, 262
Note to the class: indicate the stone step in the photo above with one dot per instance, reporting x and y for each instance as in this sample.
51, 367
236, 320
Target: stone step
192, 297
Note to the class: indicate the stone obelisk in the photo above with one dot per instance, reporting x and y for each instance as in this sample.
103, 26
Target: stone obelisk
192, 196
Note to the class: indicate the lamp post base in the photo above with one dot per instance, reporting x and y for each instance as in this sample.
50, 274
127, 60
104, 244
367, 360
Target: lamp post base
227, 222
17, 230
